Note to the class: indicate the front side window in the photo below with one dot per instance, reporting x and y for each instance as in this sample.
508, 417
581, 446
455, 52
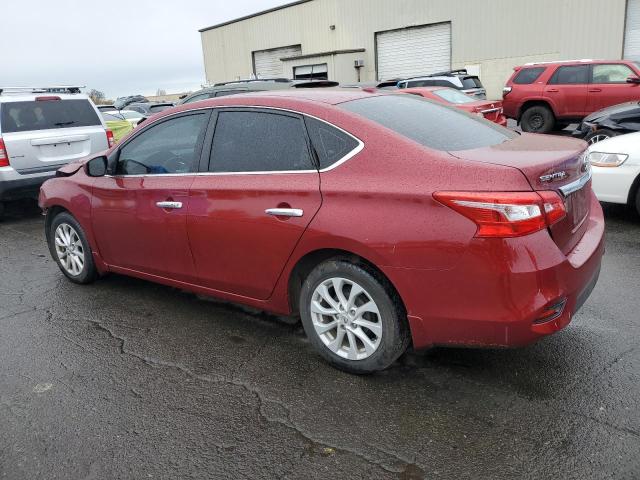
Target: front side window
615, 73
430, 124
248, 141
170, 147
331, 145
46, 115
571, 75
311, 72
527, 76
453, 96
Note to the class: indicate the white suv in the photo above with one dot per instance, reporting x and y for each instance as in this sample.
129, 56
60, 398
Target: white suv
42, 129
458, 79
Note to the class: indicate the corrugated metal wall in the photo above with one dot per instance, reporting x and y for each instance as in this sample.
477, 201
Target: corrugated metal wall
494, 34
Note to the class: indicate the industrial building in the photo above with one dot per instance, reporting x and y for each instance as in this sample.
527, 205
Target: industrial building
369, 40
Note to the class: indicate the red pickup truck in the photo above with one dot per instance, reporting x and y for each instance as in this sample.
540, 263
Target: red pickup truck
547, 96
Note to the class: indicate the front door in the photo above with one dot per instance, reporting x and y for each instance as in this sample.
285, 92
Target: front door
139, 213
609, 86
249, 212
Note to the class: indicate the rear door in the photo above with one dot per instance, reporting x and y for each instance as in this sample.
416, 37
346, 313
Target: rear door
609, 86
568, 91
249, 212
44, 134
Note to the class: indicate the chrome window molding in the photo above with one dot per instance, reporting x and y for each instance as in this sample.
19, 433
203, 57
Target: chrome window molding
335, 165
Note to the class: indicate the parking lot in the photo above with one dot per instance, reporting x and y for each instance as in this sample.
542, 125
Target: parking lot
127, 379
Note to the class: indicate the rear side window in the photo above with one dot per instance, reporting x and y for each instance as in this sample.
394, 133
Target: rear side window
159, 108
226, 93
259, 142
47, 115
471, 82
197, 98
435, 126
527, 76
331, 144
571, 75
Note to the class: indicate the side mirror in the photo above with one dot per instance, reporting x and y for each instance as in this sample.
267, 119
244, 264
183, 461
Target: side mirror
97, 167
633, 79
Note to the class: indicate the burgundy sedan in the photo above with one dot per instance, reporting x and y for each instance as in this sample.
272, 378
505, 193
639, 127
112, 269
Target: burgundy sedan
491, 110
382, 220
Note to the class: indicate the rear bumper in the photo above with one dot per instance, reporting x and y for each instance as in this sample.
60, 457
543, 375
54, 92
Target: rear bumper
497, 294
14, 186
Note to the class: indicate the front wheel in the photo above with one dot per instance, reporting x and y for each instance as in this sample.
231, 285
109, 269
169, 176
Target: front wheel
70, 249
600, 135
353, 317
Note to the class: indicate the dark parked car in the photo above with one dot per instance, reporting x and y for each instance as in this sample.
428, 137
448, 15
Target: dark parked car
147, 109
610, 122
382, 220
122, 102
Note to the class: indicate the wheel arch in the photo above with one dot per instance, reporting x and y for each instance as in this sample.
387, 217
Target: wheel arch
312, 259
633, 192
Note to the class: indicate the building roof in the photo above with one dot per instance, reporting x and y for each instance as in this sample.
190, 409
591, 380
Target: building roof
247, 17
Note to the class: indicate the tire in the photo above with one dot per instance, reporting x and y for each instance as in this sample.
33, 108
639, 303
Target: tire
600, 135
638, 202
67, 240
2, 209
537, 119
339, 345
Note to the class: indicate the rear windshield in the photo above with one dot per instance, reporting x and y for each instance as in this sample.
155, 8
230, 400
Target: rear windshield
471, 82
435, 126
528, 75
47, 115
454, 96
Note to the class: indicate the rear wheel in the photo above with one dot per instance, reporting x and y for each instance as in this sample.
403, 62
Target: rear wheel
638, 201
353, 318
537, 119
600, 135
70, 249
2, 208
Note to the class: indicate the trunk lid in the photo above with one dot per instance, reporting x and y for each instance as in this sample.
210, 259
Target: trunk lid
489, 110
550, 164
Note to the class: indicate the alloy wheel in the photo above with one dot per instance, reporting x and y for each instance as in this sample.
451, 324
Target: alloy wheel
69, 249
346, 318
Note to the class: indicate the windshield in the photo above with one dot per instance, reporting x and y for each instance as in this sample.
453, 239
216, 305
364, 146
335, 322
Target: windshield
453, 96
430, 124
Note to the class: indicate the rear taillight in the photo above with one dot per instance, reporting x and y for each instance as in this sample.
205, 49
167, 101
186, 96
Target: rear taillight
506, 214
110, 140
4, 156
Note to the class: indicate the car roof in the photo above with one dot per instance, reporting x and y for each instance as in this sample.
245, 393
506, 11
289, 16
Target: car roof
330, 96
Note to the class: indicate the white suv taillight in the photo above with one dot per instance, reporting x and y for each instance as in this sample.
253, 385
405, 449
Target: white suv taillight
110, 140
506, 214
4, 156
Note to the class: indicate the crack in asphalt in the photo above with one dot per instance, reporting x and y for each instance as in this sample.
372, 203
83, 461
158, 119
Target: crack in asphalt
262, 402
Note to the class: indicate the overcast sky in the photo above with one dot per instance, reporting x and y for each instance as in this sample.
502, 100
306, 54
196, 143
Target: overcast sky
120, 47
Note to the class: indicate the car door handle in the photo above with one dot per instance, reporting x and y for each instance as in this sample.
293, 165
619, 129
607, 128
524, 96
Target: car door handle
595, 90
169, 205
285, 212
553, 90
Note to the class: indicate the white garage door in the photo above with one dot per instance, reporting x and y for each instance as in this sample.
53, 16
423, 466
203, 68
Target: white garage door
632, 33
414, 51
267, 62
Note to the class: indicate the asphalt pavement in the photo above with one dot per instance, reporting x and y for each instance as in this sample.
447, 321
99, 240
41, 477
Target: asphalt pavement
125, 379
